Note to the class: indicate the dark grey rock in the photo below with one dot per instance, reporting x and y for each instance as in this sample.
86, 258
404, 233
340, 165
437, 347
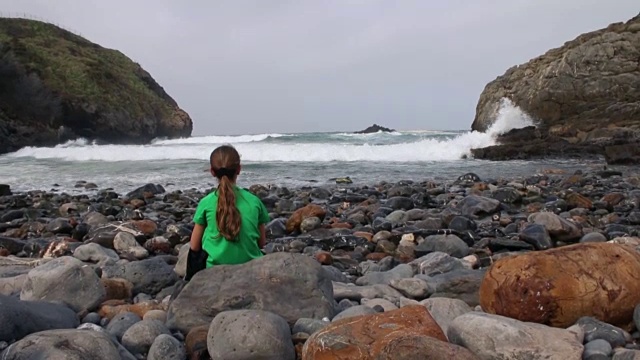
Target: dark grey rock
593, 237
399, 203
401, 271
598, 349
457, 284
596, 329
478, 206
21, 318
462, 223
148, 276
92, 318
436, 263
536, 235
121, 323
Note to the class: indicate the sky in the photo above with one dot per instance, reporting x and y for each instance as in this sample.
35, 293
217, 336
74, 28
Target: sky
284, 66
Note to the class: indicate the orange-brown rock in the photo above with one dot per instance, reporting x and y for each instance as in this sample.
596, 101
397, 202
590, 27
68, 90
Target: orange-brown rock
479, 187
141, 308
374, 336
324, 258
558, 286
147, 227
576, 200
117, 289
137, 203
196, 343
613, 199
406, 345
341, 225
311, 210
4, 252
364, 234
376, 256
534, 207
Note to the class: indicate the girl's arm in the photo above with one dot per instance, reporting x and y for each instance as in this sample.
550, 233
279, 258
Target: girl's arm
262, 241
196, 238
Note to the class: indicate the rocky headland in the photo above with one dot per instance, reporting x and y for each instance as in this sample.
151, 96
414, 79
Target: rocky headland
538, 267
583, 97
57, 86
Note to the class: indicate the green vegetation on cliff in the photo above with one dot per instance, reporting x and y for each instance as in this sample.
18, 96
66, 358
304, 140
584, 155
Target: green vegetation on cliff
56, 78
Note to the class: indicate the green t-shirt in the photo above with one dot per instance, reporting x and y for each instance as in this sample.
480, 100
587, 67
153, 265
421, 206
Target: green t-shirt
245, 248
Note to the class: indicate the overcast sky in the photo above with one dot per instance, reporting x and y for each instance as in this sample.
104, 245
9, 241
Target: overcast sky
241, 67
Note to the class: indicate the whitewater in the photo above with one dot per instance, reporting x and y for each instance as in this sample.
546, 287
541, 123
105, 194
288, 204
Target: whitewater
278, 158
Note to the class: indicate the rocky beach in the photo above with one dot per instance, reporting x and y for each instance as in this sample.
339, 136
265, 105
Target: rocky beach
540, 266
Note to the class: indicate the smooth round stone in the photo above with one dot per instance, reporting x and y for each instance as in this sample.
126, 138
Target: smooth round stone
159, 315
597, 350
593, 237
92, 318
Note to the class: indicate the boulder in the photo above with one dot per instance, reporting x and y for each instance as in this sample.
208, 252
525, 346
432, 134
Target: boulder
140, 336
497, 337
21, 318
148, 276
290, 285
166, 347
248, 334
582, 97
406, 333
558, 286
65, 279
63, 344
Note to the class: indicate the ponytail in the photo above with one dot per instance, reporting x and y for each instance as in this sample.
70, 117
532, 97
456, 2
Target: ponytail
227, 215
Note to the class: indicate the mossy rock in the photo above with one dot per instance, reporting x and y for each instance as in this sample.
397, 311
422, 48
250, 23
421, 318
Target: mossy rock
57, 85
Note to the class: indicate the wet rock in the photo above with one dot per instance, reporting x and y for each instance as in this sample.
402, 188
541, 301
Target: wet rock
559, 286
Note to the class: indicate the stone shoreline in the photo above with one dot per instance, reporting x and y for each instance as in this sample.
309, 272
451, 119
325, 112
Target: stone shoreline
544, 266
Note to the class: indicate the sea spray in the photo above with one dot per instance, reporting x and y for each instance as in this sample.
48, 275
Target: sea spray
406, 146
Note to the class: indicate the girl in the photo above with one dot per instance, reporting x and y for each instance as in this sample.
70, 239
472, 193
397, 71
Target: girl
229, 222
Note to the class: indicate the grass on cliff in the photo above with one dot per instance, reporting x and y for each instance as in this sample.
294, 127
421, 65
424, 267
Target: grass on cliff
79, 71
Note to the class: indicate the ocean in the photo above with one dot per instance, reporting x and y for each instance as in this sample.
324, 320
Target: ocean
292, 160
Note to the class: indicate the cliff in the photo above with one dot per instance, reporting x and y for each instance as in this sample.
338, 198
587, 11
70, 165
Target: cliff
58, 86
582, 94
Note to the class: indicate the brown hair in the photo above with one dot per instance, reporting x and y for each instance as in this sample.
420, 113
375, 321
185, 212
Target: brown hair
225, 163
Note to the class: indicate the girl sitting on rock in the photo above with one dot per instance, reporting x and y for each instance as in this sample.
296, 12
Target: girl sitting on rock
229, 222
